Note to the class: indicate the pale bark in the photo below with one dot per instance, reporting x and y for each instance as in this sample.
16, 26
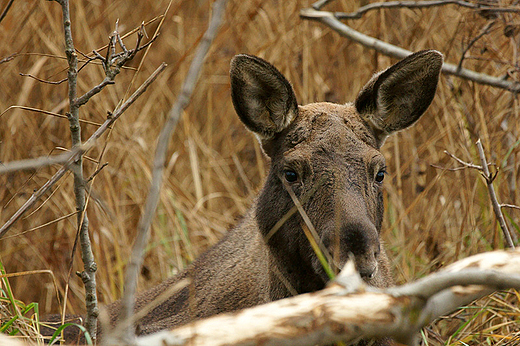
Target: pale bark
348, 310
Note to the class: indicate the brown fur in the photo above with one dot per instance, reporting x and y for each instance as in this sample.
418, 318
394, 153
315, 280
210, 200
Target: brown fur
335, 147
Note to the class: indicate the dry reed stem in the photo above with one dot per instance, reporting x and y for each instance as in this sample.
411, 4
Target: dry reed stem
127, 335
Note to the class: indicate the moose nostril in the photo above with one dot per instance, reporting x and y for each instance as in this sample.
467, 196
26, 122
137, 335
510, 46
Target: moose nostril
373, 273
368, 273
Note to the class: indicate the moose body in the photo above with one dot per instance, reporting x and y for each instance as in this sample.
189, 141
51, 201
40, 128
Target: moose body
326, 157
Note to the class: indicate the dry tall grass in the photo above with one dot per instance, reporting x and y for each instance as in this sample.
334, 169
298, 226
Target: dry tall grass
433, 216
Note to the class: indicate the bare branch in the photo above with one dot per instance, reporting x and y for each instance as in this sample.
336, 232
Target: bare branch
38, 162
87, 256
80, 151
493, 196
465, 164
43, 80
340, 313
47, 113
489, 182
113, 62
413, 5
136, 259
80, 101
388, 49
482, 33
504, 205
96, 172
9, 58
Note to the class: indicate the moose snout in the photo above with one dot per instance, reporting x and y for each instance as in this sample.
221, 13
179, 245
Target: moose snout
362, 240
367, 264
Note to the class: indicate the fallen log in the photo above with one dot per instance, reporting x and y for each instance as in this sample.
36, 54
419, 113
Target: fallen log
348, 310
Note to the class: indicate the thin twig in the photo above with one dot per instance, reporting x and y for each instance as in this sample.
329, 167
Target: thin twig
483, 32
61, 218
97, 172
47, 113
9, 58
80, 101
329, 19
136, 259
493, 196
505, 205
464, 163
454, 169
43, 80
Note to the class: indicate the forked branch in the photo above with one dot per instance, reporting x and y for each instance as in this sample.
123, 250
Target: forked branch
493, 196
489, 178
79, 151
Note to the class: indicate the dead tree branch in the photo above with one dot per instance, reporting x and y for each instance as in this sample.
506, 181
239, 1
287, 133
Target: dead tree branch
123, 333
505, 205
80, 151
47, 113
89, 265
489, 178
330, 20
463, 163
492, 195
412, 5
340, 313
38, 162
482, 33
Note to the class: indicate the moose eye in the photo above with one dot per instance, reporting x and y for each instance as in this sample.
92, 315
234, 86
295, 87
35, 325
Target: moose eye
290, 176
380, 176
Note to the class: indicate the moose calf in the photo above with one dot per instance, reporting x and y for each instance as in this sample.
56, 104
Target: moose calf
325, 155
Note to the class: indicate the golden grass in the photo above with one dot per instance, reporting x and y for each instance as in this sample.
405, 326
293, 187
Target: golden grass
433, 217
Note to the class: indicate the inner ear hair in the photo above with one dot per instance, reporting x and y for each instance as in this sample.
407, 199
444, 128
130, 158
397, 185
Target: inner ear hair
263, 98
395, 98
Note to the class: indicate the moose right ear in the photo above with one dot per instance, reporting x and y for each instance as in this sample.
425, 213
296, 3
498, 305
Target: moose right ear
263, 99
397, 97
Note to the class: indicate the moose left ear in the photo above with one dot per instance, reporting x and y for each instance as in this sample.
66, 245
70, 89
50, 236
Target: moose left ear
263, 99
396, 98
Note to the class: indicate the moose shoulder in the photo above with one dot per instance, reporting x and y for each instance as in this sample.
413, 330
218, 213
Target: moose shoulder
327, 157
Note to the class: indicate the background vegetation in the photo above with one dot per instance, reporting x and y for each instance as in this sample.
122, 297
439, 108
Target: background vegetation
433, 216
